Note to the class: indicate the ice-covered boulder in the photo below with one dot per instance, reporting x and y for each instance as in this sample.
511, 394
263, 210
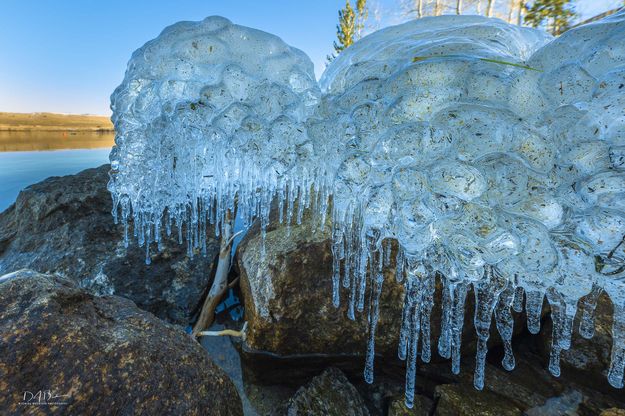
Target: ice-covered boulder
492, 155
207, 111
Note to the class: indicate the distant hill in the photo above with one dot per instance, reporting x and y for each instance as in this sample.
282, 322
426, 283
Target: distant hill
54, 122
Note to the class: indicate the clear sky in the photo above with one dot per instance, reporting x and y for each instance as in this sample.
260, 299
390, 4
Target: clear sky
68, 56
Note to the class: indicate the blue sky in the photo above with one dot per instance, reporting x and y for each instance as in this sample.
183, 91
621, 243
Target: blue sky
68, 56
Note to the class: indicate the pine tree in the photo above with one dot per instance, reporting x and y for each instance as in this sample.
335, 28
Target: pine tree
557, 14
350, 26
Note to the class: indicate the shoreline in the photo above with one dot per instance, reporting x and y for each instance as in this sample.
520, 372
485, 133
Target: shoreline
52, 122
26, 129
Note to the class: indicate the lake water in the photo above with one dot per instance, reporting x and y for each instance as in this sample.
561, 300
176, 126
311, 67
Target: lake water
19, 169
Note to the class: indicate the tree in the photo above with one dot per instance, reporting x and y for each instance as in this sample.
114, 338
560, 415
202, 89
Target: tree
556, 13
350, 26
361, 15
438, 8
489, 7
520, 10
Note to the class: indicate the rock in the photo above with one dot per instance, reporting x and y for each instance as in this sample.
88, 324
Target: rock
64, 225
102, 354
613, 412
529, 390
422, 406
327, 394
461, 400
588, 360
288, 299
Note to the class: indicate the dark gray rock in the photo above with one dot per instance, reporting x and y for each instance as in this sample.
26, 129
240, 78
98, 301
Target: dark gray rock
64, 225
102, 354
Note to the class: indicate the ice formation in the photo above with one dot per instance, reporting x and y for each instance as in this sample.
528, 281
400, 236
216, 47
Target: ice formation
210, 112
493, 154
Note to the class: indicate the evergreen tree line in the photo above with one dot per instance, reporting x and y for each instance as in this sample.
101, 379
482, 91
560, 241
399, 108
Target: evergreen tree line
556, 16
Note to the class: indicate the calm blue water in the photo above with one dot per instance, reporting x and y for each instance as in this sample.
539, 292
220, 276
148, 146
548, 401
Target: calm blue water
20, 169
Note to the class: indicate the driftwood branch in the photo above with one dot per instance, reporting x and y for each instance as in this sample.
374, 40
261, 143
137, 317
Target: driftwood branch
224, 332
220, 283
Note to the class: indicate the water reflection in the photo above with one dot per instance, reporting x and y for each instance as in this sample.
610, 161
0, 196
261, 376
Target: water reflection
20, 169
12, 141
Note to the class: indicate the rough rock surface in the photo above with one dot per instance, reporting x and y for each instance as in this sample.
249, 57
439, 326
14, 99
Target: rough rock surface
64, 225
587, 359
102, 352
288, 299
288, 296
330, 394
527, 390
456, 400
422, 407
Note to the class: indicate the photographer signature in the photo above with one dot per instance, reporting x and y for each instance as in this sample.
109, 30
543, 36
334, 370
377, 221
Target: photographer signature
44, 398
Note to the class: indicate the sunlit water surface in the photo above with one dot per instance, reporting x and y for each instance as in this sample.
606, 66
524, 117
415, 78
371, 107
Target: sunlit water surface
20, 169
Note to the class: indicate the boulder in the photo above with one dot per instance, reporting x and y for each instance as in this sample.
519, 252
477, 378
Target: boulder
328, 394
459, 400
65, 351
287, 292
422, 406
588, 360
64, 225
529, 389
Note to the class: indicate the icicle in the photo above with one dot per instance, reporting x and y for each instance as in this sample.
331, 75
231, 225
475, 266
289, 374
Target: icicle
126, 234
444, 341
534, 310
352, 299
374, 314
148, 259
486, 294
589, 304
399, 271
517, 303
617, 361
410, 298
336, 277
505, 323
387, 254
337, 245
426, 304
281, 207
365, 258
457, 323
557, 319
411, 366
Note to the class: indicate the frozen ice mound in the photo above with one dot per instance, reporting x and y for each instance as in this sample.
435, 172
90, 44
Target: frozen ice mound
207, 111
493, 154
